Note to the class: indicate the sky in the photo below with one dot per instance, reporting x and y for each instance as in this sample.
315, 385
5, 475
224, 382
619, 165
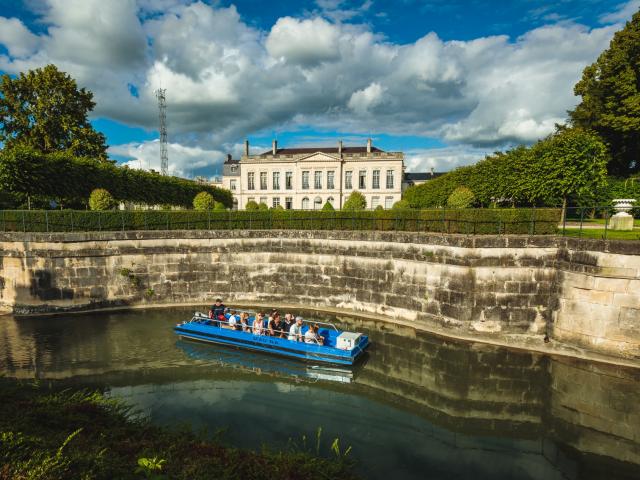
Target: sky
444, 81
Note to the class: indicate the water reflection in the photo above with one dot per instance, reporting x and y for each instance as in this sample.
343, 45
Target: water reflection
422, 406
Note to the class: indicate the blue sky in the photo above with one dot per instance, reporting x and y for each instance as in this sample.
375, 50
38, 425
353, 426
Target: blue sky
445, 81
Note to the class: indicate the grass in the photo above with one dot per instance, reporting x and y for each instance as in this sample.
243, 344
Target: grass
600, 221
598, 233
50, 433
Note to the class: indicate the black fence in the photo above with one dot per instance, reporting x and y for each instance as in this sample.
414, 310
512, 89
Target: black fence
598, 222
530, 221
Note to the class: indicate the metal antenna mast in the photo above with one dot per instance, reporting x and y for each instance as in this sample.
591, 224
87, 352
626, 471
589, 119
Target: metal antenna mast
162, 106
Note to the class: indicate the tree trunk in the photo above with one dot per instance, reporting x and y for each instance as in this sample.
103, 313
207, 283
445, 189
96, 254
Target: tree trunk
564, 211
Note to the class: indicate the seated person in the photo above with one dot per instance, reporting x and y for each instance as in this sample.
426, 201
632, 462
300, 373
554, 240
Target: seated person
312, 335
232, 321
216, 312
295, 332
244, 322
287, 324
275, 326
258, 324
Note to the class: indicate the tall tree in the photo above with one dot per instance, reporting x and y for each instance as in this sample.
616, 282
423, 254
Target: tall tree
44, 109
610, 91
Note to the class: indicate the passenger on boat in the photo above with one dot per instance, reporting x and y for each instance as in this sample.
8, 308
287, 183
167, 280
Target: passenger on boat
287, 324
276, 326
295, 332
216, 312
232, 320
312, 335
244, 322
258, 324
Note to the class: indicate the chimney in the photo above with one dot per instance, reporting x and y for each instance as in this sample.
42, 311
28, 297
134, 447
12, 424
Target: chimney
339, 147
246, 148
228, 157
368, 145
274, 147
432, 172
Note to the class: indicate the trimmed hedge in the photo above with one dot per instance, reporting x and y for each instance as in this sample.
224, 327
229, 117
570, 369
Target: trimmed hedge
541, 221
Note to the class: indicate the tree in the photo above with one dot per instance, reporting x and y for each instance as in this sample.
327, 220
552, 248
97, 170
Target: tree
461, 197
45, 109
401, 205
263, 207
327, 207
219, 206
610, 91
101, 199
355, 201
251, 205
204, 201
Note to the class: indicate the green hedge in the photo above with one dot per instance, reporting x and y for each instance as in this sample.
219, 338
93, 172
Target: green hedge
466, 221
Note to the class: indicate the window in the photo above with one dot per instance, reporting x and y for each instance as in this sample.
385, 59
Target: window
264, 200
232, 185
251, 199
288, 180
330, 176
375, 201
389, 178
317, 177
263, 180
348, 185
388, 202
234, 169
376, 179
251, 185
305, 203
276, 181
275, 202
305, 181
363, 179
317, 203
330, 200
288, 203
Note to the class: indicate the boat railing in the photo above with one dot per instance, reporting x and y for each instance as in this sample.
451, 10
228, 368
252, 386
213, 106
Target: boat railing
199, 314
198, 317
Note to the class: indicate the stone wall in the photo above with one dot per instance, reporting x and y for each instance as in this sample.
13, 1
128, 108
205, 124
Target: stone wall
489, 285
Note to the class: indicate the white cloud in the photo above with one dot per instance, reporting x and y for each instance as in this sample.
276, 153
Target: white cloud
17, 38
226, 80
443, 159
623, 12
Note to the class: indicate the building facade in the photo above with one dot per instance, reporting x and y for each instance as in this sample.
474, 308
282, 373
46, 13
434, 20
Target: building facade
307, 178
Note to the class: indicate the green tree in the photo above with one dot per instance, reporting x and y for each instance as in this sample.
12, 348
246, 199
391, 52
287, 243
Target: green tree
44, 109
263, 206
355, 201
219, 206
251, 205
327, 207
461, 197
101, 199
610, 91
401, 205
204, 201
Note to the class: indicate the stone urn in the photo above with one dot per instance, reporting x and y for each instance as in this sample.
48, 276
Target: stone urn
622, 220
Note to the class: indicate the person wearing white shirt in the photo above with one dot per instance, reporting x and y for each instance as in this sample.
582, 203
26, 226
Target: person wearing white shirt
295, 332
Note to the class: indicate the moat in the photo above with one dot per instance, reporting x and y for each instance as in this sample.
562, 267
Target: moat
420, 406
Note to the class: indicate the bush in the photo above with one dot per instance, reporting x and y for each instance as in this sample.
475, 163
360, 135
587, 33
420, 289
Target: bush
401, 205
263, 207
204, 201
101, 199
461, 197
355, 201
327, 207
219, 206
251, 205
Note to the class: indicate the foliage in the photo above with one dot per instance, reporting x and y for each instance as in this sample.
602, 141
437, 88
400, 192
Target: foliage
401, 205
203, 201
24, 170
101, 199
355, 201
327, 207
461, 197
219, 206
469, 221
54, 433
263, 206
44, 109
569, 163
610, 105
251, 205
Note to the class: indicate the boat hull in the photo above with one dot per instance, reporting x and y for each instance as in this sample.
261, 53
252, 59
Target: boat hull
276, 346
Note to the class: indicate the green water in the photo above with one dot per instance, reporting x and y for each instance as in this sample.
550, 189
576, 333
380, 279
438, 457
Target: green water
419, 407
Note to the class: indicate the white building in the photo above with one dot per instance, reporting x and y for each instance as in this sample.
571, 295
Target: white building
307, 178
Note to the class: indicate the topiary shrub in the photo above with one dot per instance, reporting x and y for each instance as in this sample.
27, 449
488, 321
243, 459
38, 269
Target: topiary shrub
219, 206
204, 201
263, 207
401, 205
461, 197
251, 205
101, 199
356, 201
327, 207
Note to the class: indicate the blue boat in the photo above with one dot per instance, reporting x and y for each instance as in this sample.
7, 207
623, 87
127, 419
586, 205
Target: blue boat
337, 348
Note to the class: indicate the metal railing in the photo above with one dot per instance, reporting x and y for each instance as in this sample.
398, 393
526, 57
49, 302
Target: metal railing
596, 222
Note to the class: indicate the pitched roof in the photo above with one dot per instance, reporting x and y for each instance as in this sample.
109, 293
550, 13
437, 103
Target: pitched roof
300, 151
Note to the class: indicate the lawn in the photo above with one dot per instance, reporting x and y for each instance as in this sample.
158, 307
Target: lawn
599, 233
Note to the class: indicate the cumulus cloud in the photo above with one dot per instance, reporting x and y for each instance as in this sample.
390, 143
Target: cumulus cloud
623, 12
226, 79
443, 159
